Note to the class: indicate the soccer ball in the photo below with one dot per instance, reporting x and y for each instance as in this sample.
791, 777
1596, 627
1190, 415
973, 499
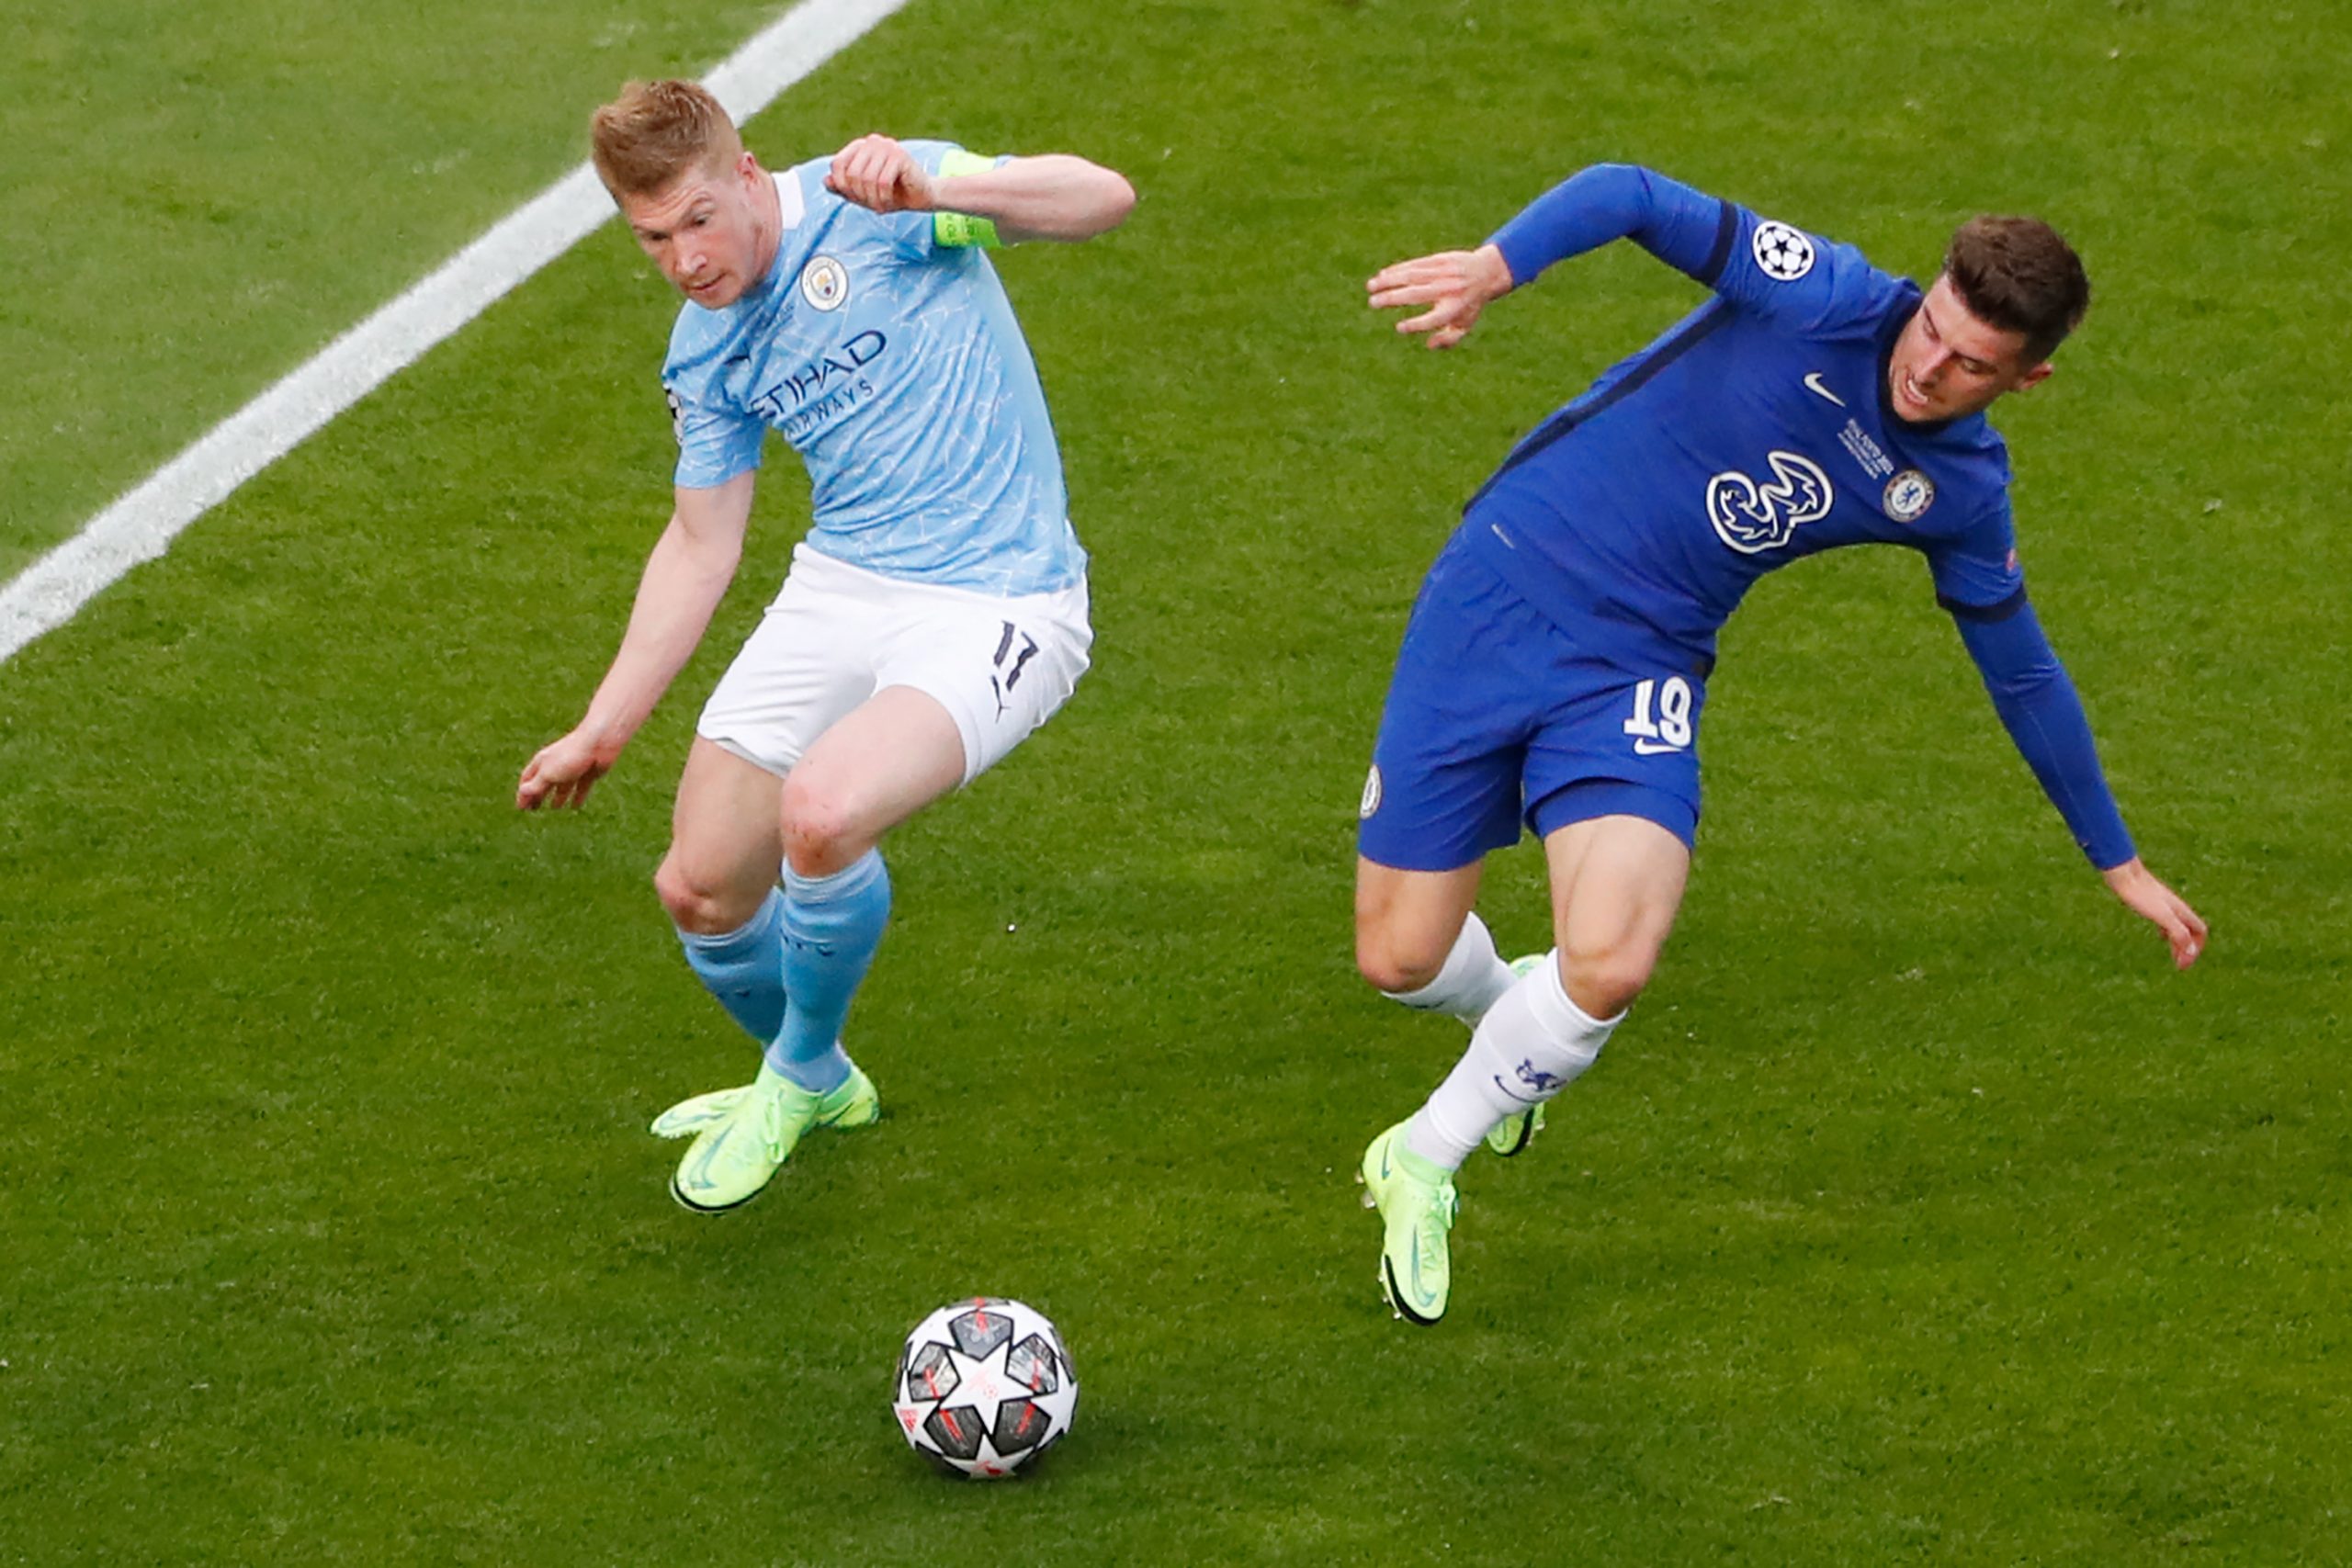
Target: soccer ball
984, 1387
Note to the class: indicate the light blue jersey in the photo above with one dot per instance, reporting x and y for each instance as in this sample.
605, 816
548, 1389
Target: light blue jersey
894, 366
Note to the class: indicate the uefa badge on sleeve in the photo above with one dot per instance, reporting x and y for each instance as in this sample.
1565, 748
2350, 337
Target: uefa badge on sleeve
1784, 253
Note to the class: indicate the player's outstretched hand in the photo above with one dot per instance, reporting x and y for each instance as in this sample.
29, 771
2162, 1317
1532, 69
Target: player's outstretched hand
1454, 284
2161, 906
563, 773
876, 172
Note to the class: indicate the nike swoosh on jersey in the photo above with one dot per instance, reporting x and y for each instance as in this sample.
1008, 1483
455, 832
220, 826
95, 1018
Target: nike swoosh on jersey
1652, 748
1813, 383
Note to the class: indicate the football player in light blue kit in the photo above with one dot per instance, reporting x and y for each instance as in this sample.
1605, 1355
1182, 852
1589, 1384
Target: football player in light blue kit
934, 614
1554, 671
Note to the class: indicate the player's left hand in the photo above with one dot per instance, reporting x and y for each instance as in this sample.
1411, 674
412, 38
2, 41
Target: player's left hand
2160, 906
1454, 284
876, 173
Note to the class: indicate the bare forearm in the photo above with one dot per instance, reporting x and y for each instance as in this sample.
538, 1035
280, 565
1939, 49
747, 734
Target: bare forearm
682, 583
1054, 196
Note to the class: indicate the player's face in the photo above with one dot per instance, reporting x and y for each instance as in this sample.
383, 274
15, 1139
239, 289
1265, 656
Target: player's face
707, 231
1949, 362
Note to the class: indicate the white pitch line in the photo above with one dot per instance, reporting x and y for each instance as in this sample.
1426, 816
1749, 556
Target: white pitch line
142, 524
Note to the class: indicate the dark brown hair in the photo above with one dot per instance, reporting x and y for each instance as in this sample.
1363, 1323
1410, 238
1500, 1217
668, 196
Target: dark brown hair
657, 130
2017, 273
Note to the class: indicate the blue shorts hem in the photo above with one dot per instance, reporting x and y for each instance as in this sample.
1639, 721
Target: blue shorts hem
1588, 798
1414, 852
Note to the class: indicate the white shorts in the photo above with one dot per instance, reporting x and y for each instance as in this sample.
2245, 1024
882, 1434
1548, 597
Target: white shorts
837, 634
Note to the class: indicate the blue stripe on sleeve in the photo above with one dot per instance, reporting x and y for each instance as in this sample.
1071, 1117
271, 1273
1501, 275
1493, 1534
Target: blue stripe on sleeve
2044, 716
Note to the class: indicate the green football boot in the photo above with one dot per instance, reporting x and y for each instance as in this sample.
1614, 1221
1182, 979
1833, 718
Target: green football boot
1417, 1207
742, 1136
1516, 1130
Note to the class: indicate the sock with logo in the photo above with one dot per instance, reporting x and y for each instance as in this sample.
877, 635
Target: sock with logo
1531, 1045
744, 968
831, 926
1473, 979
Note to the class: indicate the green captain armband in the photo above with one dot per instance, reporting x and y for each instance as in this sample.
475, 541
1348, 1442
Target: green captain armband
961, 231
955, 231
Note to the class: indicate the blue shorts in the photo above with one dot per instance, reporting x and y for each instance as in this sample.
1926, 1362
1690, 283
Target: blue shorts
1498, 715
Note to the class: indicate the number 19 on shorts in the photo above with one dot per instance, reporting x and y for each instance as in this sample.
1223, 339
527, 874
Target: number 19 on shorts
1661, 721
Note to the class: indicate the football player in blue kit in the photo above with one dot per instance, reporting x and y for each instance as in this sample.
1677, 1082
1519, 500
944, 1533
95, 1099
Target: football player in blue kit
934, 614
1554, 670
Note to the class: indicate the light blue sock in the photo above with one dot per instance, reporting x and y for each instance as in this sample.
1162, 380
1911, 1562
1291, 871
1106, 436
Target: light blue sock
744, 968
831, 926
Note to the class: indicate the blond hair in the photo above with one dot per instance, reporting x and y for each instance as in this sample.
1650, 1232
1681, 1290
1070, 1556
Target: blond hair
656, 131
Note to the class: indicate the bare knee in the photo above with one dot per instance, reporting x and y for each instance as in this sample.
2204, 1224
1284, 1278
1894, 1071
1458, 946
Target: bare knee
1391, 961
821, 833
698, 903
1603, 980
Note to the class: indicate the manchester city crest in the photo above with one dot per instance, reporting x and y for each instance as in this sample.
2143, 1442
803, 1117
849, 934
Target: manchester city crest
824, 283
1908, 495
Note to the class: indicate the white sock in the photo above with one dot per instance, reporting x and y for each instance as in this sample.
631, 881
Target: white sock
1473, 979
1531, 1045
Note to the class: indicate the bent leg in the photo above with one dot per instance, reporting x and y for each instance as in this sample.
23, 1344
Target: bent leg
1616, 883
1406, 921
1421, 942
718, 884
895, 754
725, 846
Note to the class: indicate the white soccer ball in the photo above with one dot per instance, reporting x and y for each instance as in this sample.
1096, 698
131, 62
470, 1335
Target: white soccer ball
984, 1387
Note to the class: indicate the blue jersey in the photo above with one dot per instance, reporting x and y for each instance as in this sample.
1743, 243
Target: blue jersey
1756, 432
894, 366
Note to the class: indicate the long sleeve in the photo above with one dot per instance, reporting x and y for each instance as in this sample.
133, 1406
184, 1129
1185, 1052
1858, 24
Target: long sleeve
2039, 706
1682, 227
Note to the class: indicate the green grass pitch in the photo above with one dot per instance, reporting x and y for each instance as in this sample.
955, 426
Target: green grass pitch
1920, 1215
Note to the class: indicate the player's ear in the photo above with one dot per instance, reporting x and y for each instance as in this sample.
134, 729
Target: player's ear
2035, 377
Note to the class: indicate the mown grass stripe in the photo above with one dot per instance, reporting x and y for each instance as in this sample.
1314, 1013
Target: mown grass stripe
142, 523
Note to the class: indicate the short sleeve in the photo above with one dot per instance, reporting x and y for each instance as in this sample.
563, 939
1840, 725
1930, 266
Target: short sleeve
714, 445
917, 235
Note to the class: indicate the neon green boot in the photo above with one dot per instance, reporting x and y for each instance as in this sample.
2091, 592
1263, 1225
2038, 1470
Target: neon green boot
1417, 1207
742, 1136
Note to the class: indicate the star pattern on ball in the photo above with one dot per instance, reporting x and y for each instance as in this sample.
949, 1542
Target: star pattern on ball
984, 1385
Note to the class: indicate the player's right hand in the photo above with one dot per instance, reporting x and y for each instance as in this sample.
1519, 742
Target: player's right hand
563, 773
1454, 284
877, 173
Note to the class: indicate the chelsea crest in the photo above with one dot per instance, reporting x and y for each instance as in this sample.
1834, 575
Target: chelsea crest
1908, 495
